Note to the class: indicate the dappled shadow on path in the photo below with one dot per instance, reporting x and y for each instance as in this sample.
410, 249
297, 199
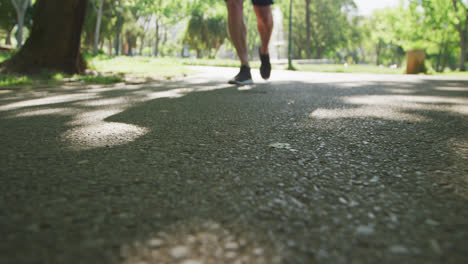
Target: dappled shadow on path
371, 173
90, 106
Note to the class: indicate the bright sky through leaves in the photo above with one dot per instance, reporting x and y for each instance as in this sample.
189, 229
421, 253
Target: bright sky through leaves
366, 7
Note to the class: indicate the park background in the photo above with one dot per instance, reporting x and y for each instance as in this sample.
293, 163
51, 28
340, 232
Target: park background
155, 39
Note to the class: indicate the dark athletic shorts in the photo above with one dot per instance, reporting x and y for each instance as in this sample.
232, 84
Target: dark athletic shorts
262, 2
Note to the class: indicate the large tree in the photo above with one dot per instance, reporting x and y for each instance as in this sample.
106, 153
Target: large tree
54, 43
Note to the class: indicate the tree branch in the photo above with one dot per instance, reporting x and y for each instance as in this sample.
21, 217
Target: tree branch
15, 4
455, 5
25, 4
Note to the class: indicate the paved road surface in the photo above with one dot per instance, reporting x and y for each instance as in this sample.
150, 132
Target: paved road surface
305, 168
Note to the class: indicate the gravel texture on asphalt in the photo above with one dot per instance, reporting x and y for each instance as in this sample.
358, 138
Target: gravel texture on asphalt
305, 168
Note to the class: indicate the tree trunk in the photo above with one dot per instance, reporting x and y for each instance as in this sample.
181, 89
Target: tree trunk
462, 27
439, 57
19, 31
318, 48
98, 26
142, 46
118, 30
377, 52
444, 57
142, 36
110, 47
156, 45
290, 36
131, 41
8, 38
463, 41
165, 35
319, 52
54, 43
124, 47
308, 42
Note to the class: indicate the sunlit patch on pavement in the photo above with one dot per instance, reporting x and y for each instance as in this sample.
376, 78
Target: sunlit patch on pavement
402, 100
93, 117
460, 109
104, 102
47, 111
5, 91
401, 91
453, 89
92, 131
393, 107
213, 87
360, 112
164, 94
103, 134
198, 243
48, 101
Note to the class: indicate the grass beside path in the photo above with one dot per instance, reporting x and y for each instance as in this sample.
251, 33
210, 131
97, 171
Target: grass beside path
146, 67
351, 68
106, 69
8, 81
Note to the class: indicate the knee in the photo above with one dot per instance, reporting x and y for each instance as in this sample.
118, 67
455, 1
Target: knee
235, 6
266, 22
265, 18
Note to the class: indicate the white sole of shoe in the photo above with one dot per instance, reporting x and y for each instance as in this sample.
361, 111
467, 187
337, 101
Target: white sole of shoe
246, 82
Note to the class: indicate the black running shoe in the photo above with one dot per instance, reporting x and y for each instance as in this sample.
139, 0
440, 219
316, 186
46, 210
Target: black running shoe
265, 68
243, 77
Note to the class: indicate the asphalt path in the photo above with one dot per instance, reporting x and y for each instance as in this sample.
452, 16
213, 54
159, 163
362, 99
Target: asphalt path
304, 168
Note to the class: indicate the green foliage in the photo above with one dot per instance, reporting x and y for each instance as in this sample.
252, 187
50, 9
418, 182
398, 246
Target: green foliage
108, 23
447, 27
429, 25
8, 15
329, 27
5, 56
206, 30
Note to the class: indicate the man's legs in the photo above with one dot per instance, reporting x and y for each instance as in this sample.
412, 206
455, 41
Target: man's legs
238, 33
237, 29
